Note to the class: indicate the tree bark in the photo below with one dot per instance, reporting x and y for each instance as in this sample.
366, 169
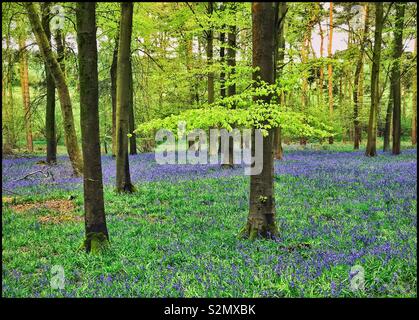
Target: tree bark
389, 112
94, 208
261, 218
123, 178
50, 127
395, 72
132, 139
358, 73
61, 85
113, 94
24, 84
371, 149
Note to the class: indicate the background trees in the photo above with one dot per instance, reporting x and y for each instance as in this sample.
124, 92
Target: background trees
170, 67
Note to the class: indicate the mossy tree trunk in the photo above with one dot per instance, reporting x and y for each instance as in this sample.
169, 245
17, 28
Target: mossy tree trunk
62, 88
261, 218
395, 76
123, 178
371, 149
50, 126
329, 67
94, 209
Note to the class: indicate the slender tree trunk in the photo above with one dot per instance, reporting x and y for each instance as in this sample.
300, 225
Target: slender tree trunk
329, 68
414, 101
61, 85
386, 135
94, 208
395, 71
132, 139
222, 62
123, 178
24, 84
371, 149
329, 54
261, 219
59, 41
231, 89
358, 73
279, 59
50, 127
113, 94
210, 54
321, 80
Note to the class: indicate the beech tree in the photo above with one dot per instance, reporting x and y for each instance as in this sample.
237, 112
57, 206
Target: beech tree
94, 210
261, 218
371, 149
123, 100
62, 88
395, 76
50, 126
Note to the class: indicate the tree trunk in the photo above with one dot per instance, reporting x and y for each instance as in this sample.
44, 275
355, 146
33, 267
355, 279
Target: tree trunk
415, 101
24, 84
329, 54
231, 59
210, 53
94, 208
261, 219
386, 135
132, 139
358, 73
123, 179
61, 85
281, 11
395, 76
113, 94
222, 62
371, 150
50, 128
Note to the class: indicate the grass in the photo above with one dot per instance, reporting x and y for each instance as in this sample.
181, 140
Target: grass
179, 239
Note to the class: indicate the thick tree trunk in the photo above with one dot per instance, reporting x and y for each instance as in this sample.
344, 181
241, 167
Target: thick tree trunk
210, 54
94, 208
113, 94
395, 76
358, 73
389, 112
281, 10
50, 127
24, 84
371, 149
123, 178
261, 219
132, 139
414, 102
61, 85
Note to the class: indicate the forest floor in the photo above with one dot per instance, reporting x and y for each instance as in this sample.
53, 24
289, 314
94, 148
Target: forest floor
177, 235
